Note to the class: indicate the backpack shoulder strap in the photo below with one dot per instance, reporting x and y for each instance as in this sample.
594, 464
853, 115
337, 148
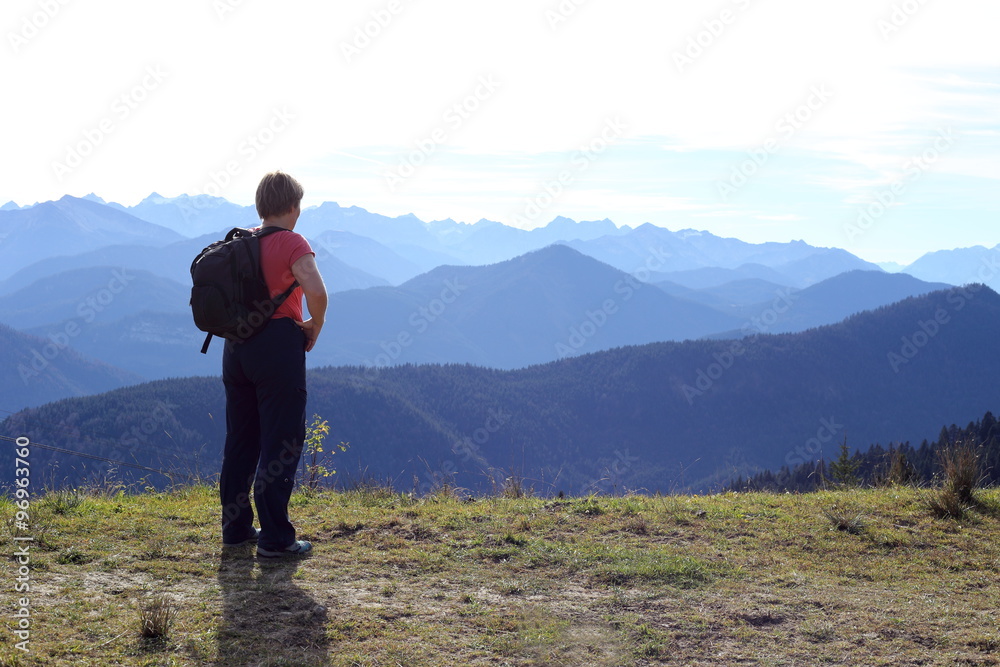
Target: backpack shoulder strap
264, 231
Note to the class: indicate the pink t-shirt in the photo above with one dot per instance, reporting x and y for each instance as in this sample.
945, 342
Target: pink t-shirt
278, 251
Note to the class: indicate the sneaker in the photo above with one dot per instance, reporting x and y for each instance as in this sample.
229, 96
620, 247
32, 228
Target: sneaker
251, 539
300, 548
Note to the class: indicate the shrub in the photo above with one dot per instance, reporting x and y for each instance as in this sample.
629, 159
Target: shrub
961, 474
960, 466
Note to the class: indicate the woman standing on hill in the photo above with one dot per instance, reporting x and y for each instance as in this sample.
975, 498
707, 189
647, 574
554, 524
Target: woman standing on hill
265, 381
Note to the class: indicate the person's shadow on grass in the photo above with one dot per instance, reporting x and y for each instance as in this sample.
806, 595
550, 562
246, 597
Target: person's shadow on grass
265, 616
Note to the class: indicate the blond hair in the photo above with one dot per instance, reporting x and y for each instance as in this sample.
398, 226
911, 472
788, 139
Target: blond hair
277, 193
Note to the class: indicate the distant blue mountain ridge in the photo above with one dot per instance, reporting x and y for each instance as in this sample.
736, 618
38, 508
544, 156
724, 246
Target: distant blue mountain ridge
516, 297
410, 245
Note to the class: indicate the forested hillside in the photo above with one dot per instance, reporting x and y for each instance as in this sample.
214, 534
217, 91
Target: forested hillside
40, 370
658, 417
895, 462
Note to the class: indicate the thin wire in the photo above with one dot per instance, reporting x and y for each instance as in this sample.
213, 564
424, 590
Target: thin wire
75, 432
167, 473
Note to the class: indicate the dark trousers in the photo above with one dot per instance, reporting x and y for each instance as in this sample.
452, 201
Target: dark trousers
265, 380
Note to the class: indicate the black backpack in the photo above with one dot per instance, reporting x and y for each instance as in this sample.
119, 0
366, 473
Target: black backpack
229, 298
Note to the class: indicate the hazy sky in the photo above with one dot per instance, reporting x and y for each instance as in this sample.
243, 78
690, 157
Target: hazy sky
870, 125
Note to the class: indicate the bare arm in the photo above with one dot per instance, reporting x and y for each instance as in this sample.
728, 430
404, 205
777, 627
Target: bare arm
307, 273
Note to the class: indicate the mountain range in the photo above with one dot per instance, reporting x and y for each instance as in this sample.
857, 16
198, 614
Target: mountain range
546, 305
408, 291
580, 355
68, 227
657, 417
39, 370
449, 242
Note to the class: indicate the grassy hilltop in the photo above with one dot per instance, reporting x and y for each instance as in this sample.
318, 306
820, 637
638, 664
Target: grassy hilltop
857, 577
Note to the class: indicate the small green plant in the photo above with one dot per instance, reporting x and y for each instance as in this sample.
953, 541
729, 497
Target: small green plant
63, 501
316, 433
156, 617
844, 469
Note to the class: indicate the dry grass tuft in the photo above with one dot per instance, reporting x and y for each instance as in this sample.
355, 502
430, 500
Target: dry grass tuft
854, 525
961, 471
156, 617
